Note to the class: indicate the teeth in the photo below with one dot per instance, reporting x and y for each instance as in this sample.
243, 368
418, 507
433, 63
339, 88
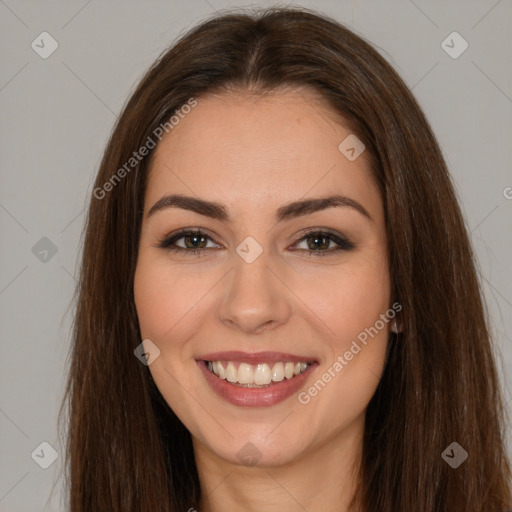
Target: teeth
231, 373
220, 371
288, 370
245, 374
278, 372
260, 375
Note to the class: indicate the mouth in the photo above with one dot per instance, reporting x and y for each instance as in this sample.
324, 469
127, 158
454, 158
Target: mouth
259, 379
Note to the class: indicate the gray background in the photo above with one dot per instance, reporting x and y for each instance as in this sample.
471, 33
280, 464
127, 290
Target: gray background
57, 114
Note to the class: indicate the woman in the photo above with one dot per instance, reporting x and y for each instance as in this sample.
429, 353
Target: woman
278, 307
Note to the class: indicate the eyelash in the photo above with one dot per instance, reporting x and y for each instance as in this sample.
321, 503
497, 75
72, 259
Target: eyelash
343, 243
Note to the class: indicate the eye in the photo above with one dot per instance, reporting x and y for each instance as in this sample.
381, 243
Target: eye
318, 242
194, 241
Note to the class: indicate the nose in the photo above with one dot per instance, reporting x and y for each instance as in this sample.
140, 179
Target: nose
254, 298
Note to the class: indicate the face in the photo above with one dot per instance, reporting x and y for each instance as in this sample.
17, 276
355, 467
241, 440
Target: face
268, 283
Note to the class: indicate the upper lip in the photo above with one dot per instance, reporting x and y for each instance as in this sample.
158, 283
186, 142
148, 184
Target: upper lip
255, 357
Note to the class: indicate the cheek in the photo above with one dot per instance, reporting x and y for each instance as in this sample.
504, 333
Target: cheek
165, 293
351, 299
171, 304
162, 298
357, 341
152, 303
165, 301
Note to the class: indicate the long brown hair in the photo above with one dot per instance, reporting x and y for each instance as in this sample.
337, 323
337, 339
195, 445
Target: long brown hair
126, 450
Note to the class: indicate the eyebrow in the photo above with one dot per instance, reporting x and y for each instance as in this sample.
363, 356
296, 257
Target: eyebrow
292, 210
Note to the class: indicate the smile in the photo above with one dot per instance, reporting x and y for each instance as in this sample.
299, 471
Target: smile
260, 375
255, 380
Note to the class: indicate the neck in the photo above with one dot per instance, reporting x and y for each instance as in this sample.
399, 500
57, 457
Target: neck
322, 478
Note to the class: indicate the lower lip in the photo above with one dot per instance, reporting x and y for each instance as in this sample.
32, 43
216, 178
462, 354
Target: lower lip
255, 397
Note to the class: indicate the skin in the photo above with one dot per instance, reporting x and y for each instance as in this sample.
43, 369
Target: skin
254, 155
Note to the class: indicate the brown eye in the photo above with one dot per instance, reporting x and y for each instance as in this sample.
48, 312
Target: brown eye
193, 242
196, 241
319, 243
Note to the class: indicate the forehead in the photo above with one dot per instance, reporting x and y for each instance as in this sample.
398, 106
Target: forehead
243, 149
